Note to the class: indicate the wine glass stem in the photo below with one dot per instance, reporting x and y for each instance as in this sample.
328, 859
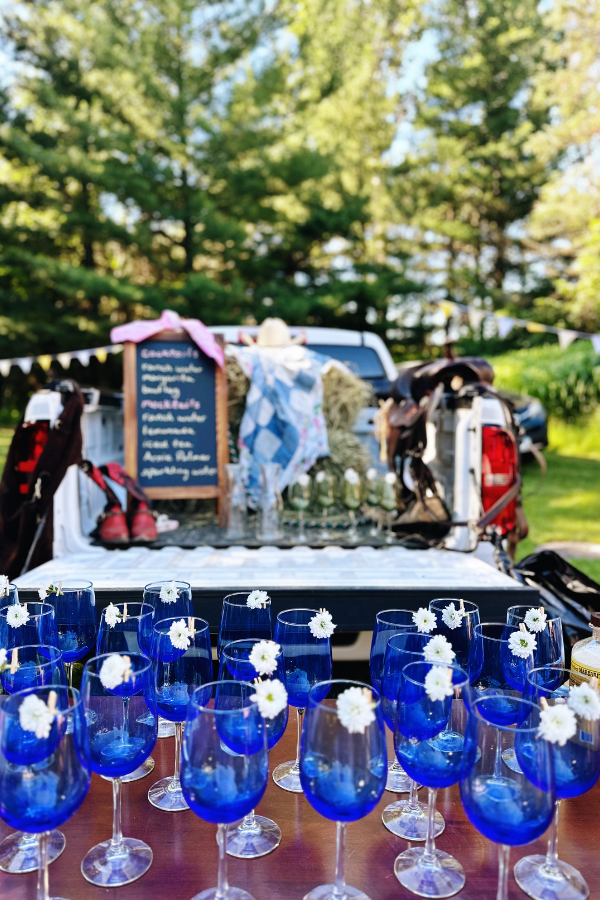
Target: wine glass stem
339, 888
175, 783
498, 760
429, 857
299, 720
552, 854
249, 822
125, 719
222, 886
69, 671
413, 798
117, 835
42, 882
503, 861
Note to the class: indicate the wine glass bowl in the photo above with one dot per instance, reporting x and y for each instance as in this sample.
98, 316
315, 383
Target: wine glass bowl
131, 633
458, 634
170, 605
238, 620
549, 640
497, 675
75, 608
36, 666
40, 627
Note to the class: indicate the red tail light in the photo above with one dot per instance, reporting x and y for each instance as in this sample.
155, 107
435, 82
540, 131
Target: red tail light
499, 470
28, 451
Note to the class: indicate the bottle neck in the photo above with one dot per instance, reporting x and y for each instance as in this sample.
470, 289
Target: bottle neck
596, 633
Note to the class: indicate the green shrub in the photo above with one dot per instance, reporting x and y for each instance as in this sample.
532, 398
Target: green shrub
566, 381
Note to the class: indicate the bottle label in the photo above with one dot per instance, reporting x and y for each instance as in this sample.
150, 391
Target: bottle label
585, 671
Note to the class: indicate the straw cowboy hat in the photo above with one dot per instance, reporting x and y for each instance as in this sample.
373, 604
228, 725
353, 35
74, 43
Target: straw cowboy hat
273, 333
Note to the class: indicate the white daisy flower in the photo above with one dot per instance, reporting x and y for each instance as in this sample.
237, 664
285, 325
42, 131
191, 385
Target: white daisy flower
352, 476
425, 620
113, 670
321, 625
257, 599
355, 709
303, 479
522, 643
169, 593
42, 594
180, 635
35, 716
17, 615
557, 724
390, 477
535, 619
4, 585
263, 657
271, 697
3, 663
451, 616
112, 615
583, 700
439, 650
438, 683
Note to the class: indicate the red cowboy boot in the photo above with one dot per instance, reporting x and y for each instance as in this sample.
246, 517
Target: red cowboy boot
143, 523
112, 526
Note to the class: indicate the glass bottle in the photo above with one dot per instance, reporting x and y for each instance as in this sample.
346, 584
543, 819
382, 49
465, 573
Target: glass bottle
351, 491
236, 512
270, 504
585, 655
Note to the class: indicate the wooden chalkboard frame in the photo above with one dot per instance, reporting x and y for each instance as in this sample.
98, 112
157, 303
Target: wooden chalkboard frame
130, 389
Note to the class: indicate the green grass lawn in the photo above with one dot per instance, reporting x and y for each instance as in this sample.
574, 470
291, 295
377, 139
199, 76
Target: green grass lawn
5, 439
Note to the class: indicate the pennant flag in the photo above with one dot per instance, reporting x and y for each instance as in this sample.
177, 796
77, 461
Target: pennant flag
25, 363
101, 354
595, 339
5, 365
45, 361
535, 327
566, 337
83, 356
476, 317
117, 348
505, 325
447, 307
64, 359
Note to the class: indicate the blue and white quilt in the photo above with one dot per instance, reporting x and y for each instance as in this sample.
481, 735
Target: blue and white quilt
283, 421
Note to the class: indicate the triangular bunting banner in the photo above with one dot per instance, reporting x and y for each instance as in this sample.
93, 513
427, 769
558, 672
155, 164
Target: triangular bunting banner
64, 359
5, 365
101, 354
83, 356
535, 328
476, 317
505, 325
25, 364
447, 308
45, 362
595, 339
566, 338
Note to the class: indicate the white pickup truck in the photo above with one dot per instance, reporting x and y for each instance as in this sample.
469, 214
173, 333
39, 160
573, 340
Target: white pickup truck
352, 583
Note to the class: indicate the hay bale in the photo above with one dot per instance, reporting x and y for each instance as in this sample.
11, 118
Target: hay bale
344, 395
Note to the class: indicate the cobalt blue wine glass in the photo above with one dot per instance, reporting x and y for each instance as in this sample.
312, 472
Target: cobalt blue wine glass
429, 741
40, 627
457, 626
256, 835
576, 770
497, 675
306, 661
131, 633
178, 671
9, 595
75, 607
550, 643
33, 666
388, 623
509, 808
29, 764
238, 620
343, 771
118, 744
404, 818
225, 765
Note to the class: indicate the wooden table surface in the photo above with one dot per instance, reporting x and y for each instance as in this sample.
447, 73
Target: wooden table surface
185, 849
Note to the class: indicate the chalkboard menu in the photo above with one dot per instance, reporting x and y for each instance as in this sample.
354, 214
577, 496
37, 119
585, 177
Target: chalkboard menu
175, 417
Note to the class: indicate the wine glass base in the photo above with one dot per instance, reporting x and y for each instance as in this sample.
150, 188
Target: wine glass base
404, 822
398, 781
233, 893
325, 892
118, 869
146, 767
561, 882
18, 856
509, 758
163, 797
284, 777
442, 880
249, 843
